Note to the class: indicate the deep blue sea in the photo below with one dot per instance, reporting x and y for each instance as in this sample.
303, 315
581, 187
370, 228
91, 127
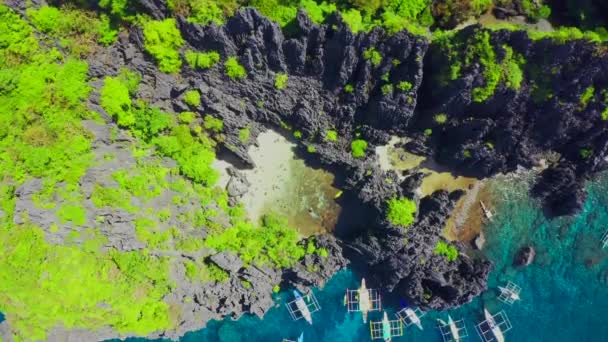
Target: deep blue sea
564, 292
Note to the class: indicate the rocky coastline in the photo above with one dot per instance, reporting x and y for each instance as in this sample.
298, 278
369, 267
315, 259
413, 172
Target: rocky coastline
321, 60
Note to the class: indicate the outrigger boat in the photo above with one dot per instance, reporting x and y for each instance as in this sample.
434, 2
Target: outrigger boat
302, 306
493, 326
386, 329
364, 302
452, 331
453, 328
411, 314
509, 293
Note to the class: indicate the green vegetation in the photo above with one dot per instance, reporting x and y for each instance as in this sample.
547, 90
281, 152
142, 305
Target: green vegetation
193, 98
280, 81
586, 97
464, 52
440, 118
213, 124
373, 56
197, 11
186, 117
75, 29
585, 153
311, 149
331, 135
387, 89
162, 40
358, 148
244, 134
234, 70
297, 134
428, 132
404, 86
202, 60
401, 211
450, 252
349, 88
272, 243
205, 271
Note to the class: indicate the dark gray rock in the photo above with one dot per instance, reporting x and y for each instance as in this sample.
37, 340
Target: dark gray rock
227, 261
525, 256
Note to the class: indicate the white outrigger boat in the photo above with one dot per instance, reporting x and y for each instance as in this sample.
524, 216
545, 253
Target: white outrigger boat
453, 329
386, 329
364, 303
363, 300
302, 306
413, 317
493, 326
509, 294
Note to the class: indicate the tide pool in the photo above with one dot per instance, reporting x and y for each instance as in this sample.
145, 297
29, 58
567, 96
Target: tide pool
564, 292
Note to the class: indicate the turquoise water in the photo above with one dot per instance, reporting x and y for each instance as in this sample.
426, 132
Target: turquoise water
564, 292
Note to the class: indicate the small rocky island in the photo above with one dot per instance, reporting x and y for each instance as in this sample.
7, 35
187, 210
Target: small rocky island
142, 204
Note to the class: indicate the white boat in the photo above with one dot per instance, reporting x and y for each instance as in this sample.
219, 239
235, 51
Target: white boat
302, 307
512, 295
364, 302
411, 314
453, 329
386, 329
493, 326
301, 338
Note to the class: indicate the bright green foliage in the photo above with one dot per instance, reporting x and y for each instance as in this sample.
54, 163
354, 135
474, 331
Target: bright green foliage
373, 56
145, 181
116, 7
186, 117
72, 213
234, 70
75, 29
198, 11
404, 86
311, 149
202, 60
428, 132
331, 135
193, 98
148, 233
244, 134
115, 99
280, 81
440, 118
213, 124
401, 211
113, 198
273, 243
512, 72
317, 12
353, 19
450, 252
194, 157
297, 134
387, 89
349, 88
358, 148
205, 271
586, 97
491, 72
162, 40
149, 121
38, 278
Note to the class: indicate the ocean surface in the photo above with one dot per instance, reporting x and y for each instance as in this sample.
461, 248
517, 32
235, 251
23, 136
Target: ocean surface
564, 292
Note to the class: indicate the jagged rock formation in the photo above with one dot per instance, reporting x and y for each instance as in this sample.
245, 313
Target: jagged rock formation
321, 61
547, 115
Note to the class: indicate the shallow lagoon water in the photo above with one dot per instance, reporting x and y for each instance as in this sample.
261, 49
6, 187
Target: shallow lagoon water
564, 292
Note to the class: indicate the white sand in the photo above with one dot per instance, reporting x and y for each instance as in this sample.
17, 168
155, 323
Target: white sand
283, 184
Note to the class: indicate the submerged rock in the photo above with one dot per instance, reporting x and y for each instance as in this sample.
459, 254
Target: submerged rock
525, 256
